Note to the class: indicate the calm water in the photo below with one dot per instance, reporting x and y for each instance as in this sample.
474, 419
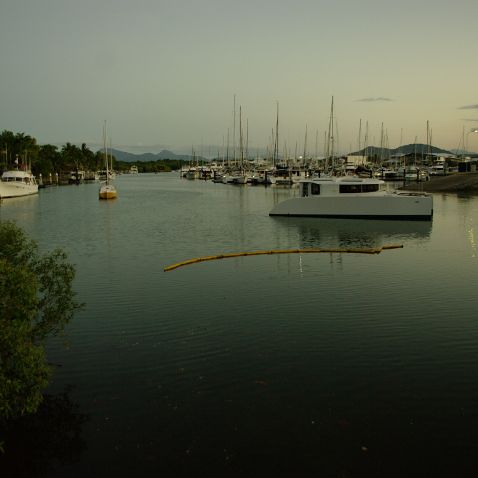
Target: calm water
292, 365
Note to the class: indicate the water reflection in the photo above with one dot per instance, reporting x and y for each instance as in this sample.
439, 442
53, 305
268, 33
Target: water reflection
471, 235
466, 195
22, 208
35, 444
316, 232
13, 202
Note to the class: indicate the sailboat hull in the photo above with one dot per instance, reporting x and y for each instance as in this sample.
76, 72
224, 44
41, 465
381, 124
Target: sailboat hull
108, 195
108, 192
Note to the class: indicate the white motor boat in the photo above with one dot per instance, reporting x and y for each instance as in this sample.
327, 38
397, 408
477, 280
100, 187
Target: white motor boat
15, 183
354, 197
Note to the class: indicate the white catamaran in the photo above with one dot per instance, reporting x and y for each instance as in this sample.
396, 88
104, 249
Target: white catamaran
354, 197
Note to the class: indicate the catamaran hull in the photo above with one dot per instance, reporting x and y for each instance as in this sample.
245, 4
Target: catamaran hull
394, 206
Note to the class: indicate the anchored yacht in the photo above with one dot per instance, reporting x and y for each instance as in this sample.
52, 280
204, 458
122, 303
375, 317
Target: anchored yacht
15, 183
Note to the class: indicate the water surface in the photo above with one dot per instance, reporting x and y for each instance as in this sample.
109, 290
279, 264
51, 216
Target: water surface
294, 365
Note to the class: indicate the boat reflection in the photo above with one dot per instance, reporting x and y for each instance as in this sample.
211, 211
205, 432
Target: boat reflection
13, 201
316, 232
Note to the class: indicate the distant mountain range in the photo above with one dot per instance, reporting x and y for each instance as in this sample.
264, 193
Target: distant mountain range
146, 157
418, 148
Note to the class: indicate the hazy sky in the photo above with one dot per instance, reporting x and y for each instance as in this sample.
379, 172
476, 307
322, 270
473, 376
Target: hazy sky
164, 73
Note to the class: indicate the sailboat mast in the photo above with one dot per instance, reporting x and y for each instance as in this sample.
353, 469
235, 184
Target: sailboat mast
227, 148
241, 146
111, 155
276, 143
365, 143
316, 152
326, 148
415, 150
234, 131
360, 135
305, 145
105, 147
381, 145
330, 140
247, 139
428, 139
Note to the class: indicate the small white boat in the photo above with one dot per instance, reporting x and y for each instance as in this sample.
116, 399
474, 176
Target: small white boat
192, 173
239, 178
16, 183
354, 197
437, 169
413, 173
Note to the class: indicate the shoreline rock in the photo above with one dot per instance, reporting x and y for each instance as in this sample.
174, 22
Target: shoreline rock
453, 183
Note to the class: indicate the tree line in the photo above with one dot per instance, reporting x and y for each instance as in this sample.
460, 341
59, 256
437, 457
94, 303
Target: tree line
158, 166
22, 150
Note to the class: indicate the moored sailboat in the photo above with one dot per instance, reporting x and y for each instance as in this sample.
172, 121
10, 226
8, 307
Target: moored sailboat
107, 188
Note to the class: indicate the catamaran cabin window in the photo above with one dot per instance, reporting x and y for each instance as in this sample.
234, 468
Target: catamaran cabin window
358, 188
350, 188
369, 188
305, 190
314, 189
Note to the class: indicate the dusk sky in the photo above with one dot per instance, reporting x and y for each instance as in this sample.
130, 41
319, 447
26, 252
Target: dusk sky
163, 74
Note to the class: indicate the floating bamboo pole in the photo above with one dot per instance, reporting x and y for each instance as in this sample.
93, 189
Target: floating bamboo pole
372, 250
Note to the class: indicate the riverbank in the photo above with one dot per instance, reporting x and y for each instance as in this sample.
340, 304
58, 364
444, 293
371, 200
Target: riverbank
454, 183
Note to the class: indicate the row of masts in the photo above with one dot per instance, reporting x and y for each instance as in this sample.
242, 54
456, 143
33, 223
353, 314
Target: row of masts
331, 143
231, 155
330, 149
240, 164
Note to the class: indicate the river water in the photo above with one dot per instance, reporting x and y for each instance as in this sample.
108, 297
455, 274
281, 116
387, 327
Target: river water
337, 365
